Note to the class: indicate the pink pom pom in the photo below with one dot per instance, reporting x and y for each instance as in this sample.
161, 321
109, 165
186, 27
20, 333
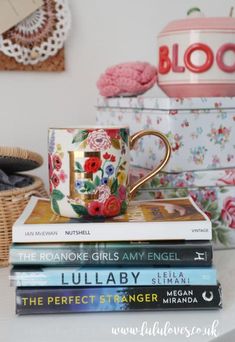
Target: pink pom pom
127, 79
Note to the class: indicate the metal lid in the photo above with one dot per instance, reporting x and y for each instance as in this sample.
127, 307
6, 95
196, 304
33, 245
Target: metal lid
206, 23
167, 103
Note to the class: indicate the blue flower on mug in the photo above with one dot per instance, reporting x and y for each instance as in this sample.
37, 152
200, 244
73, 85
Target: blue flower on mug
104, 181
79, 184
109, 170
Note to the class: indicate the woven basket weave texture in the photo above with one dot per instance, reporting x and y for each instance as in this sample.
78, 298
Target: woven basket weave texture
12, 203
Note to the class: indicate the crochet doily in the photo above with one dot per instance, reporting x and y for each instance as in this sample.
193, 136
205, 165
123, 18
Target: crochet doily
40, 35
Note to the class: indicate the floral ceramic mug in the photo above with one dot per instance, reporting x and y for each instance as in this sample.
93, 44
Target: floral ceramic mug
89, 170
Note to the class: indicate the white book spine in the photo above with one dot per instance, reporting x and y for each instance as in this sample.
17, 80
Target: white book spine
111, 232
108, 231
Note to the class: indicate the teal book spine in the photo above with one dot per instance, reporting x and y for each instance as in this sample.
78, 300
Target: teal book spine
132, 254
93, 276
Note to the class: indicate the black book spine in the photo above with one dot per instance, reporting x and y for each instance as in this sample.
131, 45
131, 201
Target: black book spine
70, 300
142, 254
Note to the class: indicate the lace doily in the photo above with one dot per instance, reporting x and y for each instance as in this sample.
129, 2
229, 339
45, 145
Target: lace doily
40, 35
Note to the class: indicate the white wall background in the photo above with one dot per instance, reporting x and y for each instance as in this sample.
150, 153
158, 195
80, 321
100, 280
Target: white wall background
104, 32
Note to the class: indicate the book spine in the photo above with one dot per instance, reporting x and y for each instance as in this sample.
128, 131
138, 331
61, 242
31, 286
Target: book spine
69, 276
108, 255
131, 231
70, 300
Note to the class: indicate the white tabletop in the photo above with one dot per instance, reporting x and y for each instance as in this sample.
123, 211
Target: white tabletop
98, 327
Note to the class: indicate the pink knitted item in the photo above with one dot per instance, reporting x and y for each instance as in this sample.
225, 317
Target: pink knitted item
127, 79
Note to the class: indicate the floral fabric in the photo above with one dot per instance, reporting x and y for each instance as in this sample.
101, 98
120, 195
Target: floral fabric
213, 191
201, 131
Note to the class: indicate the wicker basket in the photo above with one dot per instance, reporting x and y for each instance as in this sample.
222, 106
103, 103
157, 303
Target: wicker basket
13, 202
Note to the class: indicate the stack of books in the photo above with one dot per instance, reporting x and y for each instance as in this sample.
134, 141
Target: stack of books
157, 256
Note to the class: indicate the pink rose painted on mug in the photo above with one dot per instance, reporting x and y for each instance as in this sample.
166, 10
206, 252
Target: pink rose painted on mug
99, 140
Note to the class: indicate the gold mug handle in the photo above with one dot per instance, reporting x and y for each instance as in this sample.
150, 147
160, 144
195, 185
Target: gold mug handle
133, 140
